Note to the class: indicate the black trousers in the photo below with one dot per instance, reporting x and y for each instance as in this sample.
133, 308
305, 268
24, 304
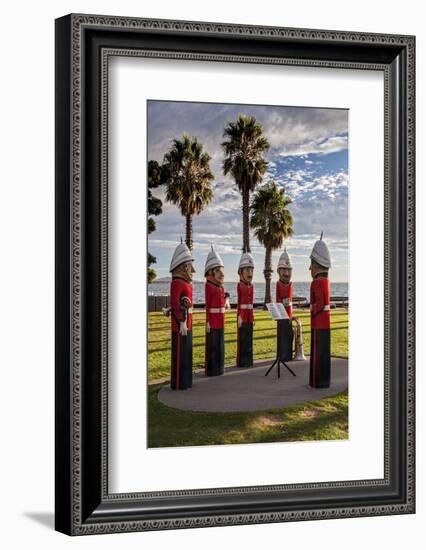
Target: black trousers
285, 340
245, 346
181, 368
215, 352
320, 360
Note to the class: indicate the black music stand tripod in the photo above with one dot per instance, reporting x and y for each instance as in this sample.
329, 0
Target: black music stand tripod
278, 363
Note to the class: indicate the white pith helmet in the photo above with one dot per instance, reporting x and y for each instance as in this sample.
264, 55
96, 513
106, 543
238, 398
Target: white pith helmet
181, 255
284, 261
213, 260
320, 254
246, 260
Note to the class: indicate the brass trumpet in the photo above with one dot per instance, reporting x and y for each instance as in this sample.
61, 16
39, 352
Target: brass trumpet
298, 354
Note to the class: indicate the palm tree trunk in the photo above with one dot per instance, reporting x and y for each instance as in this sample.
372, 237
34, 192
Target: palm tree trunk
246, 230
188, 239
268, 275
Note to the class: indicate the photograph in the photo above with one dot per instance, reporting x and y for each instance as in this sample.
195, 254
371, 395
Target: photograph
248, 273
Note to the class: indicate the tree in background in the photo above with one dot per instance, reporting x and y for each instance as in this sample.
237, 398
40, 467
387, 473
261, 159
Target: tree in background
243, 148
155, 179
272, 222
188, 179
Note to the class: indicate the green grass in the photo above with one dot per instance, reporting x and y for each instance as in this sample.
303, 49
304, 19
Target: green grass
326, 419
264, 339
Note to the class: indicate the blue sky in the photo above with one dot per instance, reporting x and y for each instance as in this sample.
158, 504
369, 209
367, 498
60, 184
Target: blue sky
308, 157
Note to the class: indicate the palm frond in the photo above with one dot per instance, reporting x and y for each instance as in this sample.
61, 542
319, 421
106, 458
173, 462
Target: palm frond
188, 176
270, 217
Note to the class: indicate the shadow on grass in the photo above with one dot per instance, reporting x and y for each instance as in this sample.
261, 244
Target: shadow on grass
328, 425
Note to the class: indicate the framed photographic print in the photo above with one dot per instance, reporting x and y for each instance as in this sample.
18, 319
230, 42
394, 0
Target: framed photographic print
234, 274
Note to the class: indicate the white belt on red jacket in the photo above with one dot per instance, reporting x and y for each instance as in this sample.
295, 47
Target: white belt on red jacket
216, 310
246, 306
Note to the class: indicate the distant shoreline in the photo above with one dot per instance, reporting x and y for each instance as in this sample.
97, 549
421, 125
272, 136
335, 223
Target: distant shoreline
198, 288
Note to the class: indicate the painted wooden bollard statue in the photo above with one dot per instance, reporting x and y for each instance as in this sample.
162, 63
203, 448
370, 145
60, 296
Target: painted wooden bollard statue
215, 314
320, 360
181, 268
245, 293
284, 295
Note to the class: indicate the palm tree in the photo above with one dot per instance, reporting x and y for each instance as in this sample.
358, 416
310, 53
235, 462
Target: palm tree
272, 221
243, 150
188, 179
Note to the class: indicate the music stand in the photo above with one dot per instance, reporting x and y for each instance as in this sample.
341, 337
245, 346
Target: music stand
278, 313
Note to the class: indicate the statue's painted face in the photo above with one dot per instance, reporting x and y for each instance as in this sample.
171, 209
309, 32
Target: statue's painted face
216, 275
219, 275
284, 274
188, 269
314, 268
246, 274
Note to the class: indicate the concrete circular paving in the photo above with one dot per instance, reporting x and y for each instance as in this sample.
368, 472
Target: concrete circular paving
250, 390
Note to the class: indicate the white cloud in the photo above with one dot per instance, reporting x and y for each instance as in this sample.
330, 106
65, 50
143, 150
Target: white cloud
322, 146
198, 244
290, 125
290, 130
303, 185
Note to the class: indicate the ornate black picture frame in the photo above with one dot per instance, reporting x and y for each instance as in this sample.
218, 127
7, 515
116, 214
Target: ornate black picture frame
83, 45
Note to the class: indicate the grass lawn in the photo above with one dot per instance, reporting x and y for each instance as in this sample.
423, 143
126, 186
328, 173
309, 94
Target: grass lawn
264, 339
318, 420
324, 419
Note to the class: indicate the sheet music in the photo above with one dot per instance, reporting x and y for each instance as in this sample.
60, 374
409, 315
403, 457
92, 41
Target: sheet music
277, 311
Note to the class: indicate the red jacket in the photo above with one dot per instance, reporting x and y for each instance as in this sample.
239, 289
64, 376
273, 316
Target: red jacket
284, 291
178, 289
215, 300
245, 302
320, 302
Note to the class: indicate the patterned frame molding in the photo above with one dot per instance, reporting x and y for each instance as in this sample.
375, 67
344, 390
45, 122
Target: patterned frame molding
83, 48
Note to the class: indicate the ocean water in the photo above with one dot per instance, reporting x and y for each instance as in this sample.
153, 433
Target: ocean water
299, 289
